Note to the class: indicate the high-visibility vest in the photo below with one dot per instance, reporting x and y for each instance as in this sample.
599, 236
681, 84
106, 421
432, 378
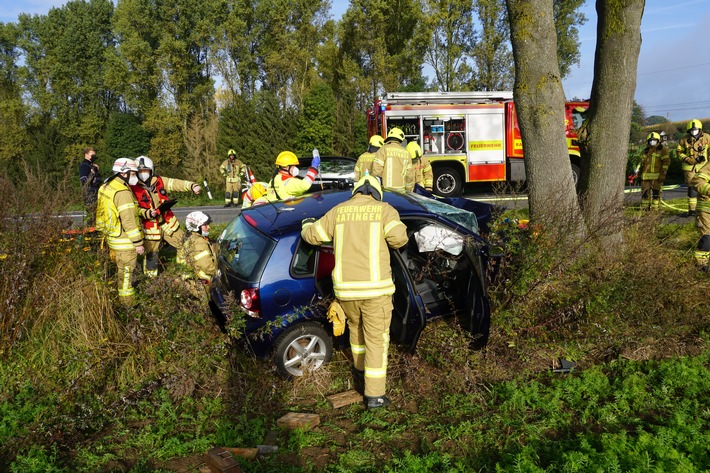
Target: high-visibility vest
145, 197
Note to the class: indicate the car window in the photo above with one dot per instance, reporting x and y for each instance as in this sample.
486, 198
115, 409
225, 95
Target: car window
463, 217
304, 258
330, 167
244, 249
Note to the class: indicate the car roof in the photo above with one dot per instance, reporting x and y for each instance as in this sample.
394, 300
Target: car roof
278, 218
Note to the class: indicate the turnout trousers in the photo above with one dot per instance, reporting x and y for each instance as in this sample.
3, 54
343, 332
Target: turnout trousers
152, 250
369, 324
125, 266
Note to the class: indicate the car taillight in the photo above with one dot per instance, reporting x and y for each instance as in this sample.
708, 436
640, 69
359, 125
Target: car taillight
249, 299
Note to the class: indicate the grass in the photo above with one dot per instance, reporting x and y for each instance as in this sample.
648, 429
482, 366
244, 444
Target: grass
88, 386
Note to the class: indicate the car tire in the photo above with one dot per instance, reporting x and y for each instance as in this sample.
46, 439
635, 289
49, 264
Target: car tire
301, 348
447, 182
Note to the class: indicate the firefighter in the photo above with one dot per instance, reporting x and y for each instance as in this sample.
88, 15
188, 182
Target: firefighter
90, 179
364, 162
693, 152
232, 169
392, 163
158, 226
118, 218
198, 251
256, 191
362, 230
423, 174
701, 184
654, 166
285, 183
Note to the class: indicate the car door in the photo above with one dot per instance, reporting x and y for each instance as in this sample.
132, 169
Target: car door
408, 320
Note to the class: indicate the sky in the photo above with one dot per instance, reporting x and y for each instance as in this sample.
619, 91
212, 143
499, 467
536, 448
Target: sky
673, 69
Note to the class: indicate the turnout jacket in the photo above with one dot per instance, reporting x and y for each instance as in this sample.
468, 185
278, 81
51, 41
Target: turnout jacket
200, 256
423, 175
283, 185
690, 148
363, 164
150, 195
362, 230
232, 170
654, 163
393, 165
117, 215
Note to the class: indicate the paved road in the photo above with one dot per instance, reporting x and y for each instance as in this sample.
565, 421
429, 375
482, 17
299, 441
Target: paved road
220, 214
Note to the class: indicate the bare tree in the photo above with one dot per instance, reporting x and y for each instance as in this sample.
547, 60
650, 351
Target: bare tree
539, 102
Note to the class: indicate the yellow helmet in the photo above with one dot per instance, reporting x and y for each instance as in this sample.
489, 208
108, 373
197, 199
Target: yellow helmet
415, 151
368, 185
257, 190
231, 152
396, 133
694, 124
653, 136
286, 158
377, 141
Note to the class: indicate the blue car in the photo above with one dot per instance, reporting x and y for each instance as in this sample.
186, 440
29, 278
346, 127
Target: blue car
282, 285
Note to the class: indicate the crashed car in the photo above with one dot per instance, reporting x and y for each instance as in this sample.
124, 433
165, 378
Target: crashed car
282, 285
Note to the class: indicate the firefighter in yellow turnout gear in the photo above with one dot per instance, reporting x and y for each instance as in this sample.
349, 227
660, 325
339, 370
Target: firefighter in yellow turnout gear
364, 162
693, 152
118, 218
654, 166
423, 174
198, 251
362, 231
393, 165
232, 170
285, 183
151, 191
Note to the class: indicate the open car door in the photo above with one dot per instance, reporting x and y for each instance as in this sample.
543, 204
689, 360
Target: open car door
408, 320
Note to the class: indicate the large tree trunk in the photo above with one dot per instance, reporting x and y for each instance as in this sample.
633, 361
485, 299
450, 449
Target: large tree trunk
605, 135
539, 102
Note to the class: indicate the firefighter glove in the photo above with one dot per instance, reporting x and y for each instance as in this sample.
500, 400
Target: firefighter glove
336, 315
316, 162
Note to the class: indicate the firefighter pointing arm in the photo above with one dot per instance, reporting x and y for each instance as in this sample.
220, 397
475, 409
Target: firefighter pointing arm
362, 277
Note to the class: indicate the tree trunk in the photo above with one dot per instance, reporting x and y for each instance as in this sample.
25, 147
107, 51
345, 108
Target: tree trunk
539, 102
605, 135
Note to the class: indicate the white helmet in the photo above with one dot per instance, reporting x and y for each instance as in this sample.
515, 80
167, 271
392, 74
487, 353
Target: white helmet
195, 220
122, 165
144, 162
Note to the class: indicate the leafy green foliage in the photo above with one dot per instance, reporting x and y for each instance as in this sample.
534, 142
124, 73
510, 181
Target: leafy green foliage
317, 122
126, 137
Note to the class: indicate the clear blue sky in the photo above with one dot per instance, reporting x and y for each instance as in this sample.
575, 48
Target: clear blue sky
674, 64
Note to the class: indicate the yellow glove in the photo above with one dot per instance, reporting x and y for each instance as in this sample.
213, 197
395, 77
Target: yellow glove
336, 316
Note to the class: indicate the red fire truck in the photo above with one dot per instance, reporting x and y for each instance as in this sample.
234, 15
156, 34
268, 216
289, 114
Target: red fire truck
467, 136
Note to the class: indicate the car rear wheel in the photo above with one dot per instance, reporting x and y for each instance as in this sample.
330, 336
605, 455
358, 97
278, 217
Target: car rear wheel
304, 347
447, 182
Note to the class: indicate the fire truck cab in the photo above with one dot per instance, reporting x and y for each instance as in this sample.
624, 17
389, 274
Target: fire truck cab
467, 136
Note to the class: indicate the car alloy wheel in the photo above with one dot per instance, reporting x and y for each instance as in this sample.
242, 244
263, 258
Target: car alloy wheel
304, 347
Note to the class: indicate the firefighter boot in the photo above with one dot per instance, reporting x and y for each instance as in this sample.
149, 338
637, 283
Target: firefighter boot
376, 402
358, 380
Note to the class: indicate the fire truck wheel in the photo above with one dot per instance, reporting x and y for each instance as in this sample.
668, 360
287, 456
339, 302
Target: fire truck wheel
447, 182
575, 174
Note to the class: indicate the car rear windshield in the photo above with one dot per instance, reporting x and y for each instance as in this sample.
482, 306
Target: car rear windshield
462, 217
244, 249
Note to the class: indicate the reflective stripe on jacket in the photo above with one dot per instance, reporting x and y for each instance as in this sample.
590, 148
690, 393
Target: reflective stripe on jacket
117, 215
151, 196
423, 174
362, 230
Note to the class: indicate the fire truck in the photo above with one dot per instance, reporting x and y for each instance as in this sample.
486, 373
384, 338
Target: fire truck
467, 136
